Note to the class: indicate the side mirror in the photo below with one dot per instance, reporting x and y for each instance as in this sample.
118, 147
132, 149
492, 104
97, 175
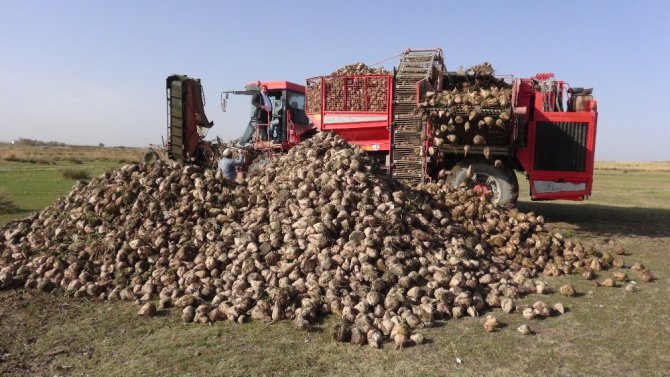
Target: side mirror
224, 101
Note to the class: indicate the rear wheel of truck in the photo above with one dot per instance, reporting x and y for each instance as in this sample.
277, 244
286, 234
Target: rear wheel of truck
500, 183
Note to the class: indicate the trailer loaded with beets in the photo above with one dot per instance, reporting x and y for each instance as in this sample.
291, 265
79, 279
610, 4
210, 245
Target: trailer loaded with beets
423, 122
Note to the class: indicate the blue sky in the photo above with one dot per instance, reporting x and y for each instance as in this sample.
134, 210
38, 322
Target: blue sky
86, 72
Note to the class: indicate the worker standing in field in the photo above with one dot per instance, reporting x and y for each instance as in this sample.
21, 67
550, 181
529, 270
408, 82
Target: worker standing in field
227, 163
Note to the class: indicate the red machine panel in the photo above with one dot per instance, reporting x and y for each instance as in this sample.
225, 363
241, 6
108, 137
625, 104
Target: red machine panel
558, 151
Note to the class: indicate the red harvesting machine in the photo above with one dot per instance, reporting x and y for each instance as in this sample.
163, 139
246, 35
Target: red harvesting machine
550, 127
551, 142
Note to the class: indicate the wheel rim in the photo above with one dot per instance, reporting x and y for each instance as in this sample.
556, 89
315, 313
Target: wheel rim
484, 185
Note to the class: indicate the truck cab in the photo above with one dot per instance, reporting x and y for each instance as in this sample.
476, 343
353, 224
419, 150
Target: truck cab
285, 126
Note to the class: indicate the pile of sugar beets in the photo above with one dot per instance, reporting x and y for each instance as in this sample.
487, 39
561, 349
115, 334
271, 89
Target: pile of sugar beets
312, 234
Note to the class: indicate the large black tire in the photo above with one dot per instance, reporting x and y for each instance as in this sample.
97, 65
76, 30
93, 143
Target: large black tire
501, 182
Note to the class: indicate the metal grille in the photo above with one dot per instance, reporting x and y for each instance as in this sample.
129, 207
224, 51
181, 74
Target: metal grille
348, 93
377, 94
313, 95
355, 94
561, 146
334, 94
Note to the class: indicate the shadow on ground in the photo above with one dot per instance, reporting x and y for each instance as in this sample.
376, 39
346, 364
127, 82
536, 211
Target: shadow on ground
604, 219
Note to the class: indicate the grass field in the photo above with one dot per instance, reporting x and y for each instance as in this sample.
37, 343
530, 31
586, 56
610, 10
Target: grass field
33, 176
606, 331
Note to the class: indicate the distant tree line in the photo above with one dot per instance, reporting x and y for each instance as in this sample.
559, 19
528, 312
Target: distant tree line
40, 143
32, 142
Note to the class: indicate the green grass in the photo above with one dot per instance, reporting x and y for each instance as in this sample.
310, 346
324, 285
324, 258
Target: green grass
606, 332
32, 187
622, 203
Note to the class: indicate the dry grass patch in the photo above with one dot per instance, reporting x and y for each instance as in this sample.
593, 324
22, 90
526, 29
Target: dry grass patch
16, 156
657, 166
72, 154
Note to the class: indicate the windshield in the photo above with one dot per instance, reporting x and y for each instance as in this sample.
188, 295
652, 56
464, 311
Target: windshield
296, 101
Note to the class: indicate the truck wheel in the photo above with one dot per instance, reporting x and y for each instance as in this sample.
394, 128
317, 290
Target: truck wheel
500, 182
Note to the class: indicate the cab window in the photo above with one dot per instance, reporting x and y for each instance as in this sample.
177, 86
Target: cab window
296, 101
